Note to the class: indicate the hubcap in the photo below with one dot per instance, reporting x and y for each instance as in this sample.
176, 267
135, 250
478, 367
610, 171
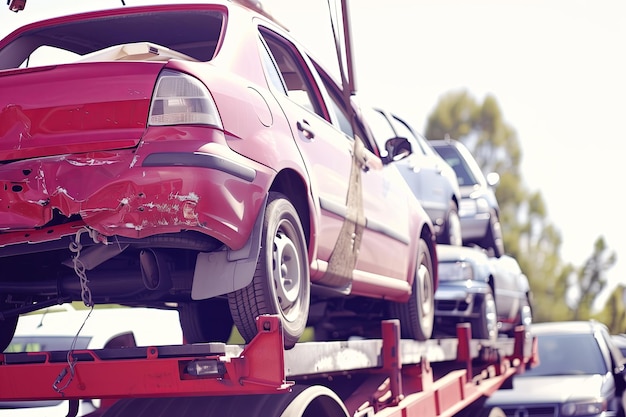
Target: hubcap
424, 285
286, 271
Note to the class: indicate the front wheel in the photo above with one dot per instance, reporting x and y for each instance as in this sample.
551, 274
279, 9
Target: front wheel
494, 240
205, 320
486, 325
452, 234
281, 282
418, 313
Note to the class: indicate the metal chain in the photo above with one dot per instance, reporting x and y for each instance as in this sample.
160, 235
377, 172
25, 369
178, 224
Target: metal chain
85, 294
79, 266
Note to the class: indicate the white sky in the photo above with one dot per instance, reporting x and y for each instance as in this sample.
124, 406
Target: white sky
556, 67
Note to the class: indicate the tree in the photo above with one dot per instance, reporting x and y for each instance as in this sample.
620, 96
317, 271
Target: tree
614, 314
590, 280
528, 235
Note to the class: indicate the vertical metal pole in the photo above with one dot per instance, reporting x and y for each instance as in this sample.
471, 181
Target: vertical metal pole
392, 359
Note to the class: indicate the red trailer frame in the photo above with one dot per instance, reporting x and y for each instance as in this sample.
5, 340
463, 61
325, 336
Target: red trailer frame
390, 377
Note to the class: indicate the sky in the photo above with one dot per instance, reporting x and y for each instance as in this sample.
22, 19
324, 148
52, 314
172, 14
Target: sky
557, 69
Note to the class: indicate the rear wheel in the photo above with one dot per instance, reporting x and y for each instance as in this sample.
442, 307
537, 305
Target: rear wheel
417, 314
281, 280
7, 328
206, 320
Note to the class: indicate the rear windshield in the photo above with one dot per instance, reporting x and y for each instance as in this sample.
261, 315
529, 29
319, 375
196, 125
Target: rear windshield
464, 174
191, 33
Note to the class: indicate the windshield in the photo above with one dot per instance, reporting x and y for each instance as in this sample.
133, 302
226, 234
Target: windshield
562, 354
67, 42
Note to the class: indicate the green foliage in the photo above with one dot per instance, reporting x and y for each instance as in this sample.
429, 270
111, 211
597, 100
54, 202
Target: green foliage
528, 234
614, 313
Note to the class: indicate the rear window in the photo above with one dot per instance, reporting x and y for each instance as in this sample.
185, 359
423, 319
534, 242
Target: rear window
192, 33
463, 173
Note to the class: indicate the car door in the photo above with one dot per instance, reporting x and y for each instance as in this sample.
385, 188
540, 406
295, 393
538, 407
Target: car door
339, 177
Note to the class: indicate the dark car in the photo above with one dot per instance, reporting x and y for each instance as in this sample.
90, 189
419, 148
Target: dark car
479, 209
431, 179
490, 293
580, 372
196, 155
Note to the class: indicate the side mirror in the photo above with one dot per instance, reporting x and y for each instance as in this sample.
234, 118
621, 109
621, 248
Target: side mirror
16, 5
397, 148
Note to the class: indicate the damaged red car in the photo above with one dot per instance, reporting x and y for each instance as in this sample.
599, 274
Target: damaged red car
197, 157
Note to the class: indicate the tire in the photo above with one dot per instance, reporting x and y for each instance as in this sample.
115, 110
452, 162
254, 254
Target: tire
451, 234
7, 328
281, 282
206, 321
301, 401
7, 331
493, 240
418, 313
485, 327
524, 317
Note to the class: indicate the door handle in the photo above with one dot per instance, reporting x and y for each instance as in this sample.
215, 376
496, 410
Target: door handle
304, 127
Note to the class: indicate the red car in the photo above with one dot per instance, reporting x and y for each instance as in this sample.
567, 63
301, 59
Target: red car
197, 156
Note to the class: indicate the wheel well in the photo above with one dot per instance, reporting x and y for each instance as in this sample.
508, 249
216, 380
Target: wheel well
429, 237
292, 185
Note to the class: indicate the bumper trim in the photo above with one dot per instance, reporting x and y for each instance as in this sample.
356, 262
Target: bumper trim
202, 160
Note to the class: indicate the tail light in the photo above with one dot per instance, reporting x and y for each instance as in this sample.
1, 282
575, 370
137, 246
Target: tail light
182, 99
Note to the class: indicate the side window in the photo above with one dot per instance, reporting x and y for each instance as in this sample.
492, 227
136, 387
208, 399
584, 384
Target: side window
342, 117
336, 108
404, 130
295, 79
381, 129
271, 70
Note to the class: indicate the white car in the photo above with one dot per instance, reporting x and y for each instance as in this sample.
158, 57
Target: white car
58, 328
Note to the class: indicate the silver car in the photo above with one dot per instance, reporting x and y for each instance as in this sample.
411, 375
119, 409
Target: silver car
479, 210
490, 293
579, 372
432, 180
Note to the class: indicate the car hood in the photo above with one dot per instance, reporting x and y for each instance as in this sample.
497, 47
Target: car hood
74, 108
553, 389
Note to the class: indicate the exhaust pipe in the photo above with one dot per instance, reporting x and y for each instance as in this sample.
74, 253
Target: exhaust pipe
154, 271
